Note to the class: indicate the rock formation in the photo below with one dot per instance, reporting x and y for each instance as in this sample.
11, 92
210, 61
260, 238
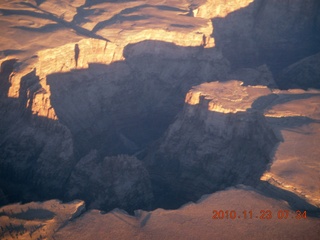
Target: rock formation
140, 105
111, 182
217, 141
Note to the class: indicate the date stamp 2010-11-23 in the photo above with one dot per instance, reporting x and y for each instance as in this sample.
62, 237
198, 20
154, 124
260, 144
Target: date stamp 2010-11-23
262, 215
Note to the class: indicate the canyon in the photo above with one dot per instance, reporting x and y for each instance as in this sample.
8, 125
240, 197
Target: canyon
136, 119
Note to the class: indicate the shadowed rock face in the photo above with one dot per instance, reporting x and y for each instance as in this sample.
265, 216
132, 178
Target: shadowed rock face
122, 107
117, 108
303, 74
111, 182
36, 153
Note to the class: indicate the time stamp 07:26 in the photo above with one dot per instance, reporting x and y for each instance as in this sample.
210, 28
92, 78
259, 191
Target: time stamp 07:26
263, 214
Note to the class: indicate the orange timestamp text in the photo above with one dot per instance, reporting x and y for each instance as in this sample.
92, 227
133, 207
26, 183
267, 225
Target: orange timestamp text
262, 214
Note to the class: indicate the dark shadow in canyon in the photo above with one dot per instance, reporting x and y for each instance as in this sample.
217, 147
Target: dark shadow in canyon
116, 19
271, 100
10, 116
33, 214
44, 29
120, 17
49, 16
124, 106
5, 70
8, 52
76, 53
24, 138
295, 202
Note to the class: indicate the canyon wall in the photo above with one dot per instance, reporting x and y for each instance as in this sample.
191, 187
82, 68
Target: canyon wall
277, 33
111, 79
92, 95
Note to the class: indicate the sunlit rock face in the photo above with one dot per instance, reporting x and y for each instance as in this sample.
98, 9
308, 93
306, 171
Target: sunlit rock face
220, 8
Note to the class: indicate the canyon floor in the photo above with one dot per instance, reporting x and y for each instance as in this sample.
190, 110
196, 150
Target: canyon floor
192, 119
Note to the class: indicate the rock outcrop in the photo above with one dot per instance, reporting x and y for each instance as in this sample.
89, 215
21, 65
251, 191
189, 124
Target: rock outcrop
110, 182
217, 141
229, 133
